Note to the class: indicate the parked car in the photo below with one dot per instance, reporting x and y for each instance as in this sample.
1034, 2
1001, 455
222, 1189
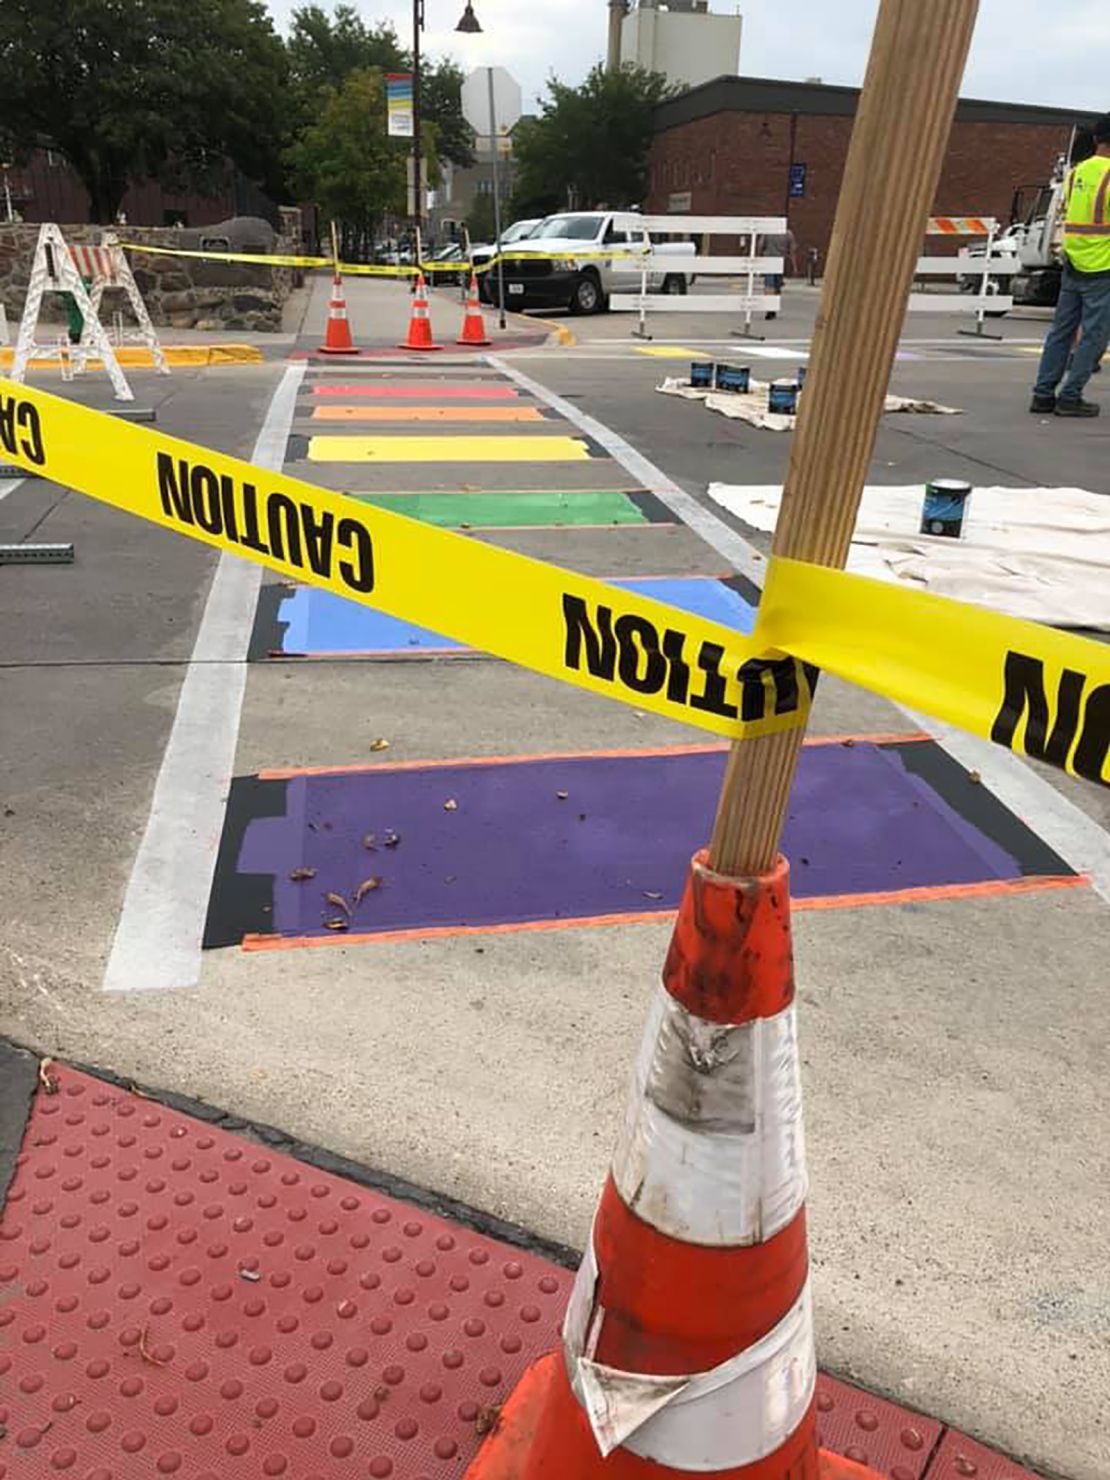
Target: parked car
482, 253
453, 252
582, 257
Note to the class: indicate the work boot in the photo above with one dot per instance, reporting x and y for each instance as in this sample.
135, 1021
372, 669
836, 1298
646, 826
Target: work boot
1042, 405
1078, 407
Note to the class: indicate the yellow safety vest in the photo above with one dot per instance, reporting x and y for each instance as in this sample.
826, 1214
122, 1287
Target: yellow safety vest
1087, 215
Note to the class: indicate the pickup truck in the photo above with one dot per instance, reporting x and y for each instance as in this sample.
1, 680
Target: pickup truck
576, 259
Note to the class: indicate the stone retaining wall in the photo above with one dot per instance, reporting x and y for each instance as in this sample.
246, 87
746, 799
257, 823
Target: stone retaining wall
180, 292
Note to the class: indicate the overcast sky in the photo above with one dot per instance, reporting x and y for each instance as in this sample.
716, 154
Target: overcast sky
1025, 51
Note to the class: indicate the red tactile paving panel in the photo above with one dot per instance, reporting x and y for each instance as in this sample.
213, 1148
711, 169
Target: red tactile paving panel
176, 1301
894, 1441
960, 1458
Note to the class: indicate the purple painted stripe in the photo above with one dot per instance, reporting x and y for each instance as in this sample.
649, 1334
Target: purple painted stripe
513, 850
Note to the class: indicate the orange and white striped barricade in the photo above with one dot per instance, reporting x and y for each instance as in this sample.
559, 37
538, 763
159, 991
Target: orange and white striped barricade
688, 1342
53, 270
107, 265
992, 265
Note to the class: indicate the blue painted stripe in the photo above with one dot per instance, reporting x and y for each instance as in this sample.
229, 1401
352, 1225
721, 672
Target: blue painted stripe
320, 622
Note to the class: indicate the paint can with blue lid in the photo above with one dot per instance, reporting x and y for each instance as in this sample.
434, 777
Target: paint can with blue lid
782, 398
734, 378
701, 374
945, 506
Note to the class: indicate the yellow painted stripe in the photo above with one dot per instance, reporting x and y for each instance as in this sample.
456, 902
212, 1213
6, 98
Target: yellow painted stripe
139, 357
668, 351
447, 449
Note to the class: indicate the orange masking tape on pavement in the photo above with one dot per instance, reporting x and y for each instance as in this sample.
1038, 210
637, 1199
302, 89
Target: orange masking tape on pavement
567, 626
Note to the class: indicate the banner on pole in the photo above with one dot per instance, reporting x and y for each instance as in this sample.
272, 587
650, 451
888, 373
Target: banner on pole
398, 105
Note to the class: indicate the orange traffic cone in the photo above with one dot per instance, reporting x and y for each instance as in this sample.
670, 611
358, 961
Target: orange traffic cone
473, 328
337, 339
420, 325
688, 1342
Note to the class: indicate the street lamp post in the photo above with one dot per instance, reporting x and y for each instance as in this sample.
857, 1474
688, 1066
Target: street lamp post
468, 23
418, 203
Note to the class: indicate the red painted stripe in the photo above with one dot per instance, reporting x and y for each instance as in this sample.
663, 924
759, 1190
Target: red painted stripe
730, 1297
730, 958
431, 391
1033, 884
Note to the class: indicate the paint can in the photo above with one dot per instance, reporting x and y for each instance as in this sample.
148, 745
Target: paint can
782, 398
945, 504
734, 378
701, 373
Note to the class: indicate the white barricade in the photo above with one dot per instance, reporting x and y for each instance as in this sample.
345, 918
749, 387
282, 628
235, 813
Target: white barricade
989, 266
750, 266
109, 269
53, 270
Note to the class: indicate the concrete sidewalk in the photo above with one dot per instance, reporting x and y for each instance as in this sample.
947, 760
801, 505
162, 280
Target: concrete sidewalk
378, 310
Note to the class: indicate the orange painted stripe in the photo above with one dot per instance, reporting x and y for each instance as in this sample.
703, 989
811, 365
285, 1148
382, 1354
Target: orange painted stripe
1034, 884
287, 773
427, 413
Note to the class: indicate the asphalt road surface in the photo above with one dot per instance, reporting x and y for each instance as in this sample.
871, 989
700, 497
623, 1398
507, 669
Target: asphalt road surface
182, 733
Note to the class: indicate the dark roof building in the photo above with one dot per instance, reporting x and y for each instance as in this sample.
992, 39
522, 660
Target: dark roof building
757, 146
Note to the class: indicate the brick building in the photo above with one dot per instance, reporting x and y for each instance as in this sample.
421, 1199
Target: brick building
46, 188
754, 146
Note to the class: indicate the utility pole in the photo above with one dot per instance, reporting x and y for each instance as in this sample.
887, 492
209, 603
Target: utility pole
494, 143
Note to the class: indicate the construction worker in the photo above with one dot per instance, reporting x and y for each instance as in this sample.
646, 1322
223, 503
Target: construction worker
1084, 302
778, 244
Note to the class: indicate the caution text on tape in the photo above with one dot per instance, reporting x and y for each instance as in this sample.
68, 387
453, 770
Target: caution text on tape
1027, 687
570, 627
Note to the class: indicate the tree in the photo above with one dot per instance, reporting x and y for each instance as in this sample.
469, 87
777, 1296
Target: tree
441, 105
127, 89
589, 142
480, 220
344, 161
325, 49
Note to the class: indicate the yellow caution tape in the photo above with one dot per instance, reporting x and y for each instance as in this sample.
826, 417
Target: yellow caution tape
260, 259
373, 269
1027, 687
556, 622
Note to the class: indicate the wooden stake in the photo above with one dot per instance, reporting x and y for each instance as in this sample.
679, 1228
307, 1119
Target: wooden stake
890, 180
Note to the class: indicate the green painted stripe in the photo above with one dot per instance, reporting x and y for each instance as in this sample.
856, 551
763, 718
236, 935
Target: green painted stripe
510, 510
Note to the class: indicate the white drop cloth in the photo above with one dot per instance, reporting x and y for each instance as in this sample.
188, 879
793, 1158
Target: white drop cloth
1038, 553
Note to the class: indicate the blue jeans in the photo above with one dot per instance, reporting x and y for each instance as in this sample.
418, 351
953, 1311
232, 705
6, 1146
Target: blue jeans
1084, 303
